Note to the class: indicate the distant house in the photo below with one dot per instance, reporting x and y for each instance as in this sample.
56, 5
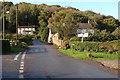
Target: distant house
85, 28
26, 29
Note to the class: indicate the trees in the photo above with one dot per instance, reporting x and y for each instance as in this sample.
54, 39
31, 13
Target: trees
116, 33
65, 22
62, 20
110, 24
27, 16
101, 36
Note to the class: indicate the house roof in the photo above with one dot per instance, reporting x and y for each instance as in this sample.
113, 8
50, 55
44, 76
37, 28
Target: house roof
26, 26
85, 26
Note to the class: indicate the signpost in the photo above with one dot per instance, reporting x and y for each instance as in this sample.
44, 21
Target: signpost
82, 35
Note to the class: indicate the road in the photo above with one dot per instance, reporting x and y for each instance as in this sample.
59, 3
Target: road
43, 61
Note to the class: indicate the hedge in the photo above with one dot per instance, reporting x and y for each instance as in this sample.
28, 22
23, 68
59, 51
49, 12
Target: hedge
5, 46
26, 38
110, 47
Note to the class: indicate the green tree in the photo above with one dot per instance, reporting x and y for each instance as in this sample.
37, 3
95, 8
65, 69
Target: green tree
65, 23
116, 33
110, 24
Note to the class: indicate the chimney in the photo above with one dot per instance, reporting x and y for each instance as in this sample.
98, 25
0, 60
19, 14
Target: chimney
88, 21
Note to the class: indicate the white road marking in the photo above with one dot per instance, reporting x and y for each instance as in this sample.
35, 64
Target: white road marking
21, 71
16, 57
21, 65
21, 76
23, 56
22, 62
21, 68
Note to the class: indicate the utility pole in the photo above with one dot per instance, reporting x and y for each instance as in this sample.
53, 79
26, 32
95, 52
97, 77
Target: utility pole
3, 20
16, 23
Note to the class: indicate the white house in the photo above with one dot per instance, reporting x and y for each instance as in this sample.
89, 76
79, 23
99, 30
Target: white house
26, 29
85, 28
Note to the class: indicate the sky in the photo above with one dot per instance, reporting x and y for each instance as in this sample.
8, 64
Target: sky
105, 7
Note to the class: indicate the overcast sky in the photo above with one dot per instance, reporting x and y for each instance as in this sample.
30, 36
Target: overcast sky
106, 7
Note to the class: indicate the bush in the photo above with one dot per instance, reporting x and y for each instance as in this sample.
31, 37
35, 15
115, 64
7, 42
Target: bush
43, 34
110, 47
10, 36
26, 38
5, 46
75, 39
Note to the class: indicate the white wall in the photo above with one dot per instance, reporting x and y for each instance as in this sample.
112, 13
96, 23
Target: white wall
22, 30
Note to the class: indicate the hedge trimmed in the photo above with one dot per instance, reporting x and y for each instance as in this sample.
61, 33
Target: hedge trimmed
5, 46
110, 47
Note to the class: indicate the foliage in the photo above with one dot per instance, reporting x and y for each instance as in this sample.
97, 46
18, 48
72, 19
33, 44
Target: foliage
65, 22
10, 36
43, 34
17, 48
116, 33
62, 20
110, 47
26, 38
110, 24
75, 39
101, 36
23, 39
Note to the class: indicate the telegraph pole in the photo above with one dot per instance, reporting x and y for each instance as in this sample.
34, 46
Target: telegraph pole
3, 20
16, 23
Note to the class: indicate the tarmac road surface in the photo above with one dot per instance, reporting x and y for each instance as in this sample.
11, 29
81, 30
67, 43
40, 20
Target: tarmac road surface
43, 61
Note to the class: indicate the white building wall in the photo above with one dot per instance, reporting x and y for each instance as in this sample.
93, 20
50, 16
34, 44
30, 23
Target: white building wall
22, 30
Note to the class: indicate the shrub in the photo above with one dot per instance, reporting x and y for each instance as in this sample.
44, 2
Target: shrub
10, 36
26, 38
110, 47
75, 39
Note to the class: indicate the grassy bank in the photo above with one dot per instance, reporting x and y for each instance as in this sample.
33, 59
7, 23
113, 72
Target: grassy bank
15, 49
83, 55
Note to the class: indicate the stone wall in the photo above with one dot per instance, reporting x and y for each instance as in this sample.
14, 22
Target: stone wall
56, 40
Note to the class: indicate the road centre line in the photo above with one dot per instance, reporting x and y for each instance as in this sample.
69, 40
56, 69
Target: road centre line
21, 69
23, 56
16, 57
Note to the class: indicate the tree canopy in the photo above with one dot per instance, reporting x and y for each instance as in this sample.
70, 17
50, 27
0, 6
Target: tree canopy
62, 19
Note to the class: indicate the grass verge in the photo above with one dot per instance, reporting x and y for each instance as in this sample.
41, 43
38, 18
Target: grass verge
83, 55
15, 49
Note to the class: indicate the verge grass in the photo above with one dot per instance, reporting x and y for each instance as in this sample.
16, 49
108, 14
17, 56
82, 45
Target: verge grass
15, 49
83, 55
